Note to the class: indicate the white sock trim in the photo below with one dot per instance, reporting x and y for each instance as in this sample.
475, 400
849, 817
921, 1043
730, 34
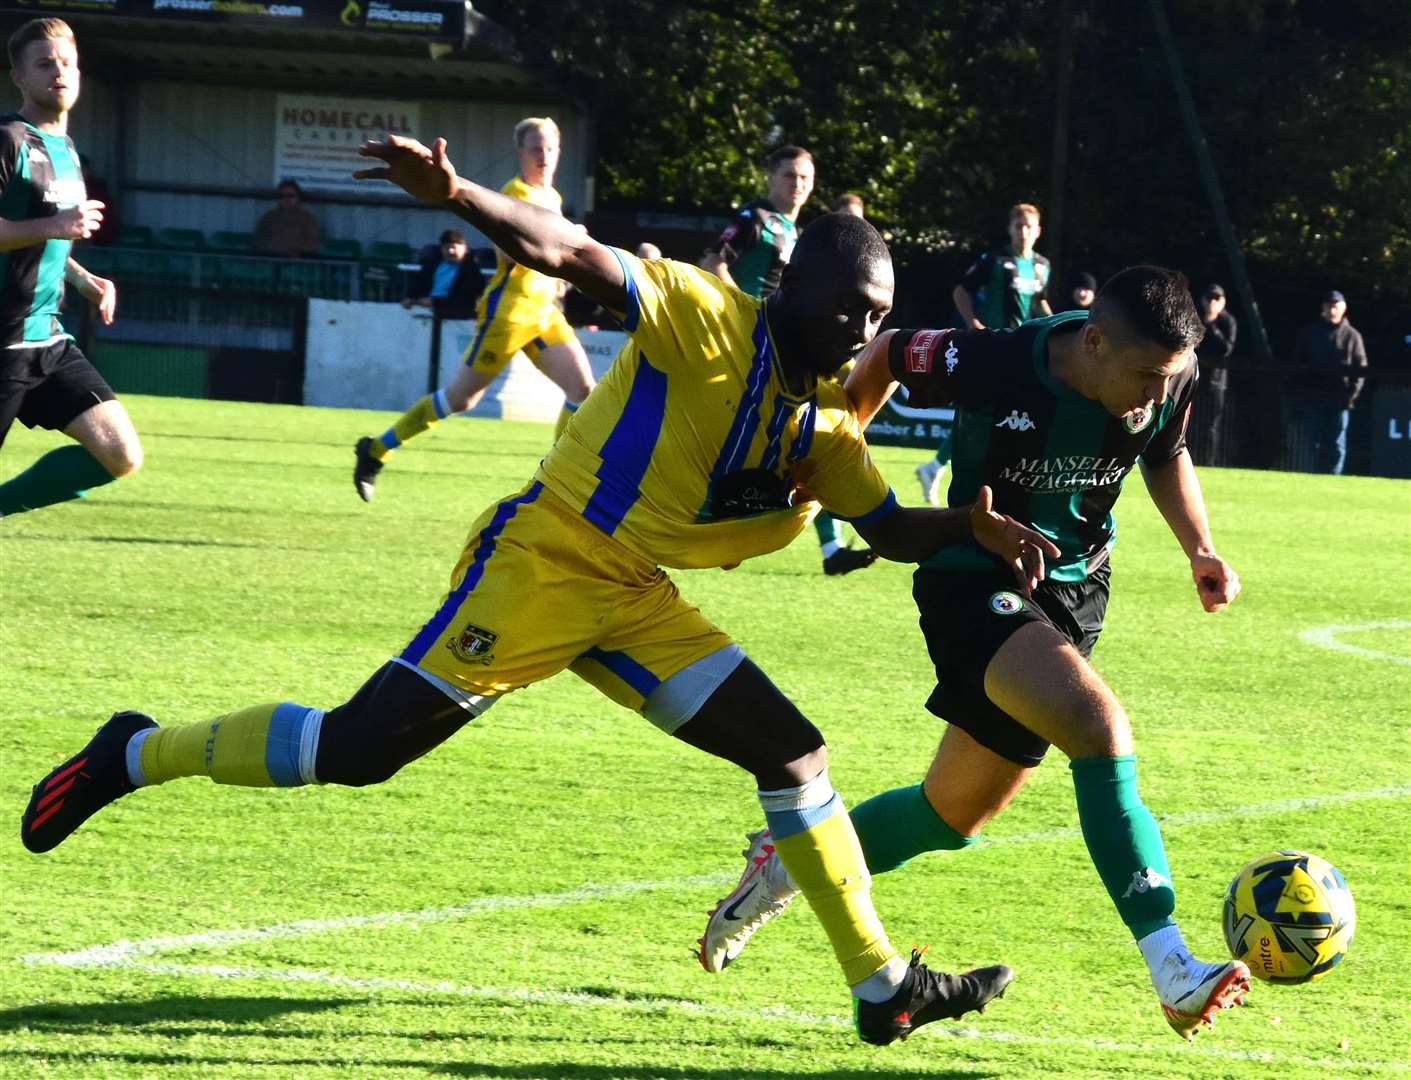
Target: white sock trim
308, 744
807, 796
1159, 944
135, 775
829, 547
882, 984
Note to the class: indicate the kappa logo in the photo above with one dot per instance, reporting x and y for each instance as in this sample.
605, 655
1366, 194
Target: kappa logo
1017, 421
1144, 880
1138, 419
1006, 603
952, 358
920, 350
475, 645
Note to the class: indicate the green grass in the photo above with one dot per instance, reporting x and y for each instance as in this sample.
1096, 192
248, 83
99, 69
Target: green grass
239, 567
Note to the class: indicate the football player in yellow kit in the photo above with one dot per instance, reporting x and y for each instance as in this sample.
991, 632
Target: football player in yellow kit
517, 312
706, 444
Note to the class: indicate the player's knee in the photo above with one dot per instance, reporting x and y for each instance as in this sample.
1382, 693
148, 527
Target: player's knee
1101, 731
794, 773
121, 459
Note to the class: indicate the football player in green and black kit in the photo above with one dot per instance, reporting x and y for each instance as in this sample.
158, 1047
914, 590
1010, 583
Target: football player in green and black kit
45, 381
1052, 416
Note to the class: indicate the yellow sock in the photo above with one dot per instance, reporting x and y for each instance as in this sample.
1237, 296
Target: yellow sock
421, 416
263, 746
826, 863
565, 415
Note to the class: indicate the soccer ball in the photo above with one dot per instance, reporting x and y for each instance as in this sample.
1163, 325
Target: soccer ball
1289, 916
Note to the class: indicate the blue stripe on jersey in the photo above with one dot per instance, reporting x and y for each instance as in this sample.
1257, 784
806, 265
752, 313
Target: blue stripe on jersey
282, 741
628, 450
803, 441
632, 313
783, 409
433, 630
783, 823
878, 512
626, 669
736, 450
491, 303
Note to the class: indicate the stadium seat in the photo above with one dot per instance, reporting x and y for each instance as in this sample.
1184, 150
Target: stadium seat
243, 275
341, 249
233, 242
181, 239
384, 251
135, 236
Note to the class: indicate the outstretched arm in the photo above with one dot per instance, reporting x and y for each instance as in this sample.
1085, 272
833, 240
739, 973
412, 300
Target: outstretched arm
870, 382
1175, 490
528, 234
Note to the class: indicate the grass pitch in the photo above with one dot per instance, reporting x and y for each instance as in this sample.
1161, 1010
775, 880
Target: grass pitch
523, 902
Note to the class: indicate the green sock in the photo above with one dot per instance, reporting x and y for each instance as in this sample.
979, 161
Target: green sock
900, 824
826, 526
69, 472
1124, 842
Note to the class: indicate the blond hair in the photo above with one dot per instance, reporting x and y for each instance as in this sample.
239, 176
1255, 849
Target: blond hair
49, 29
534, 123
1023, 209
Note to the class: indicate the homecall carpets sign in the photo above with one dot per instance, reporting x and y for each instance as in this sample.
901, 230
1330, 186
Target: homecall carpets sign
316, 138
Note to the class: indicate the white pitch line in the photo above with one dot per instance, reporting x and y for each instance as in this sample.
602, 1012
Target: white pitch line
121, 953
1167, 1047
1325, 637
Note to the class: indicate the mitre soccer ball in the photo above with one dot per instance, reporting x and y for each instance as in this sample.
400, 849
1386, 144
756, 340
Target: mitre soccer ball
1289, 916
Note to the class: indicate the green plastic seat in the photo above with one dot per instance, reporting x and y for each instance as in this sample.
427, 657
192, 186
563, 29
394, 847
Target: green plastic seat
181, 239
227, 240
135, 236
385, 251
341, 249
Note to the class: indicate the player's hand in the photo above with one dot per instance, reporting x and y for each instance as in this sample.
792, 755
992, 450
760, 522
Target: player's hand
1017, 544
78, 222
426, 173
1216, 582
105, 295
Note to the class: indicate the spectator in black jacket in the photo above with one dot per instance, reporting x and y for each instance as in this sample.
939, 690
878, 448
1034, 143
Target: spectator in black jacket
1326, 379
448, 282
1213, 354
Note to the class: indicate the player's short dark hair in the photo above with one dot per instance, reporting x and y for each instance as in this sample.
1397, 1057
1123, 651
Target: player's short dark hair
287, 183
839, 237
1154, 303
452, 236
783, 154
36, 30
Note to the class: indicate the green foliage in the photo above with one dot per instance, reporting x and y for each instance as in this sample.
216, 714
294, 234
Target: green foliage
941, 115
239, 566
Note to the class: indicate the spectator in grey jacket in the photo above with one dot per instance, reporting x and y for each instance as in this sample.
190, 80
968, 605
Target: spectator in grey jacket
1326, 379
1213, 354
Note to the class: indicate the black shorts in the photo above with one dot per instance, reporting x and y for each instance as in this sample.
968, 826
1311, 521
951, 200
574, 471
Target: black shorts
966, 617
48, 386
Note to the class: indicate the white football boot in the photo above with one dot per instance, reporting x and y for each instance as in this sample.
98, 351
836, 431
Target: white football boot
1191, 993
763, 892
928, 475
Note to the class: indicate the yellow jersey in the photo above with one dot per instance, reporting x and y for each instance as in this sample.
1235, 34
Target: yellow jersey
688, 450
516, 292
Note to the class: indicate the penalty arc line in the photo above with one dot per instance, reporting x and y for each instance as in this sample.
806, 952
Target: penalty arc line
124, 952
1326, 637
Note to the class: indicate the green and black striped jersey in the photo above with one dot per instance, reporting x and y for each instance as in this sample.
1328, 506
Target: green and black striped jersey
39, 176
1055, 459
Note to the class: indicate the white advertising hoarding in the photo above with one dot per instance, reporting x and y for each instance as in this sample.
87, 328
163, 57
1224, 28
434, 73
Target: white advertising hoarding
316, 137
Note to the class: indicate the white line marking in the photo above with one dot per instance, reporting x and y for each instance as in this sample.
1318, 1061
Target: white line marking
1166, 1047
120, 953
1326, 637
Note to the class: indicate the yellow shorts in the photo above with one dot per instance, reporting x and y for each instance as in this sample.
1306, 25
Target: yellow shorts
496, 340
539, 589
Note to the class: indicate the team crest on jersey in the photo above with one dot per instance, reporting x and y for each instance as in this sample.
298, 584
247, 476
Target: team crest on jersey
921, 350
1138, 419
1006, 603
475, 645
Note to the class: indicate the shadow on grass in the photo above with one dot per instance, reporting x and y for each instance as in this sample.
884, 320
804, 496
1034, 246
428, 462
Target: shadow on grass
98, 1016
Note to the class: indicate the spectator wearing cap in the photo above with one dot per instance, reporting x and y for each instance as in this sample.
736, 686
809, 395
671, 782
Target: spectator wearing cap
1083, 293
448, 281
1213, 354
1326, 379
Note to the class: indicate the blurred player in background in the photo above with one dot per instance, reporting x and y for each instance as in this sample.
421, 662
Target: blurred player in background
1051, 416
690, 454
751, 254
1003, 288
517, 312
45, 381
